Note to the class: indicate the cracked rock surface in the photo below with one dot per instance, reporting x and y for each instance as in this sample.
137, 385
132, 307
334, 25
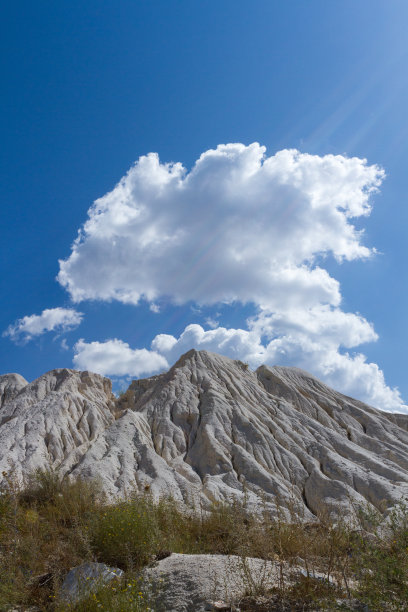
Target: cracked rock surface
209, 430
189, 583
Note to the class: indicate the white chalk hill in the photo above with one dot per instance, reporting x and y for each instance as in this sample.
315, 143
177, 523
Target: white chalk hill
208, 430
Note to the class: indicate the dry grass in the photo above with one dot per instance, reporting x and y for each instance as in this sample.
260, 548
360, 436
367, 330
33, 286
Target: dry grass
52, 525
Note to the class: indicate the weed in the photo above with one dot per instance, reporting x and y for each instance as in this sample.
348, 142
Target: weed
53, 524
126, 534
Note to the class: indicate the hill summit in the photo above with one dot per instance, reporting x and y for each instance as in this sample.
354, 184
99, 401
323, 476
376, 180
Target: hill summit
208, 430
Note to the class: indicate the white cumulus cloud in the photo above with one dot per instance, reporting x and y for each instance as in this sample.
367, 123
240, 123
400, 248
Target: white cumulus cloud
116, 358
51, 319
234, 343
239, 227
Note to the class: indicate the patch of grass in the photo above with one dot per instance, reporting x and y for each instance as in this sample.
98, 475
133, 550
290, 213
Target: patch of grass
382, 563
127, 534
51, 525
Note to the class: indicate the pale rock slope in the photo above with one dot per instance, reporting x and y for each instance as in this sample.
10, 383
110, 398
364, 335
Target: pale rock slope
10, 386
209, 430
52, 421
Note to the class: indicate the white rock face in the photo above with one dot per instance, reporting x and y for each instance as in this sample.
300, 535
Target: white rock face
52, 421
210, 430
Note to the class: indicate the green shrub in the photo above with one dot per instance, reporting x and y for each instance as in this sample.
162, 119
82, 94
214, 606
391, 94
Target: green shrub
126, 534
381, 566
66, 499
42, 487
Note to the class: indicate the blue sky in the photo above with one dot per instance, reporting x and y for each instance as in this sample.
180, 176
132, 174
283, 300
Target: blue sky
258, 249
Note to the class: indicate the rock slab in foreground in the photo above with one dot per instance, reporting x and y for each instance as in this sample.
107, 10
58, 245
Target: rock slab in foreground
85, 579
190, 583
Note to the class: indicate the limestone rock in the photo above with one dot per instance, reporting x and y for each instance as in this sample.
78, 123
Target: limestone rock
52, 421
187, 583
210, 430
10, 386
85, 579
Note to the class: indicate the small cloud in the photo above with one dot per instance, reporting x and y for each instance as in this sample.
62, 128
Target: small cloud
116, 358
213, 323
154, 308
51, 319
64, 345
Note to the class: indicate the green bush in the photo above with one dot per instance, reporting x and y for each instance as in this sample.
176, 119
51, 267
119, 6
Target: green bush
67, 499
126, 534
382, 564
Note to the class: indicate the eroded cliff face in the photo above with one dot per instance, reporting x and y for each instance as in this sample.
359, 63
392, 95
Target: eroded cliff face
209, 430
52, 421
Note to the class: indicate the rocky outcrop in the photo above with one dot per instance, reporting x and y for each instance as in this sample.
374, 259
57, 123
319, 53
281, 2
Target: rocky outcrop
210, 430
209, 582
52, 421
10, 386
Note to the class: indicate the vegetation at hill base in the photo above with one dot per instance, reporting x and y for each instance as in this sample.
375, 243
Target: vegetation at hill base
50, 525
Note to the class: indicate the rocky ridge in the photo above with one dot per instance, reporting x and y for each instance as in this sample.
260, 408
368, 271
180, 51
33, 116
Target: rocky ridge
208, 430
